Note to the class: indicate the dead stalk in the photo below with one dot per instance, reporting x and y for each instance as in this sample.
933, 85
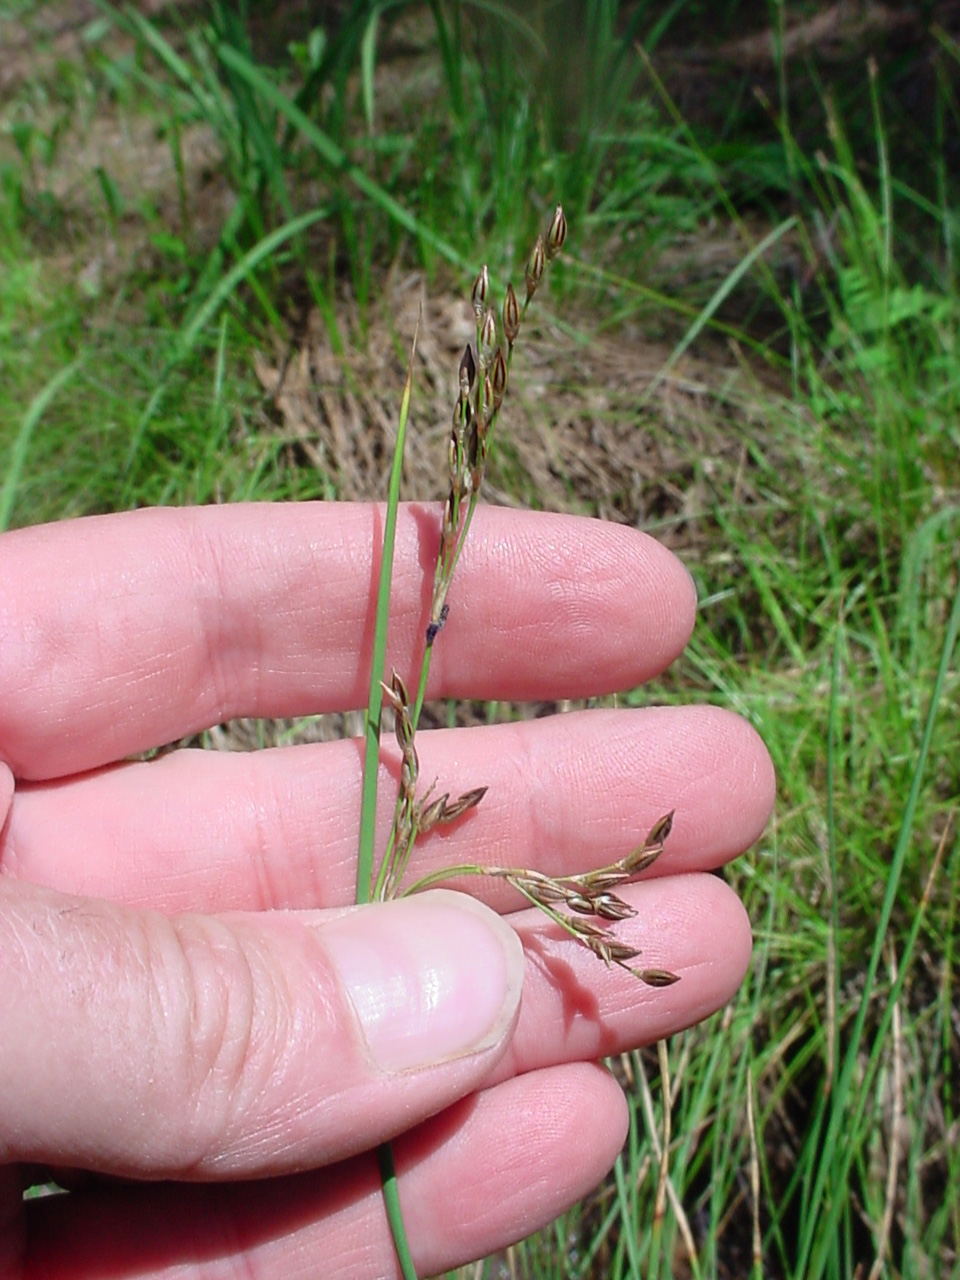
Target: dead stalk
757, 1239
897, 1121
683, 1224
660, 1203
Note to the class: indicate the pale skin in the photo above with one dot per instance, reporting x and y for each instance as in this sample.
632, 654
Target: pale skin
188, 1004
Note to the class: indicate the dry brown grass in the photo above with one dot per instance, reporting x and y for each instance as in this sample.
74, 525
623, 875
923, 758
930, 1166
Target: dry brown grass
580, 431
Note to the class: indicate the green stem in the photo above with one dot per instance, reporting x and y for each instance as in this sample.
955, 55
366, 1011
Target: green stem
451, 873
378, 894
443, 574
422, 687
371, 758
463, 536
371, 766
509, 874
391, 1199
400, 863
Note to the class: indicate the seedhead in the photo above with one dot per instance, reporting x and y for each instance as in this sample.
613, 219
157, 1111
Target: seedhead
586, 905
535, 265
481, 287
511, 316
556, 234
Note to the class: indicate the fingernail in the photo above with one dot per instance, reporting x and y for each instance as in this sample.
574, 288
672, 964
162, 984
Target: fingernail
432, 977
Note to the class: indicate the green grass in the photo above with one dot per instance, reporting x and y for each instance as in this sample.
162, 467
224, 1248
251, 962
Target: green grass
154, 411
810, 245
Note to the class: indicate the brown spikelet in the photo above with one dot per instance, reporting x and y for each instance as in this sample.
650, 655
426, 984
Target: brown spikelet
556, 233
660, 829
535, 265
469, 800
468, 370
429, 815
641, 859
498, 378
448, 529
611, 951
511, 316
481, 287
488, 338
656, 977
584, 906
610, 907
488, 397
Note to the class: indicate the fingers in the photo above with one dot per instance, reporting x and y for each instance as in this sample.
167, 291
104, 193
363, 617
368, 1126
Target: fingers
271, 1042
206, 1047
216, 831
483, 1174
123, 632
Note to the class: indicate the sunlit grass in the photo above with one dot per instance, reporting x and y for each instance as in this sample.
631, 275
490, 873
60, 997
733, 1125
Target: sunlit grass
823, 539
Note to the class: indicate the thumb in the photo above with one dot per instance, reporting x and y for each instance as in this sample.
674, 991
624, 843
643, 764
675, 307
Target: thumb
241, 1045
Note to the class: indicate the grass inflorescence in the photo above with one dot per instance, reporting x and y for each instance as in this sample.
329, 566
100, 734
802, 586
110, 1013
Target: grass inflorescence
591, 894
482, 385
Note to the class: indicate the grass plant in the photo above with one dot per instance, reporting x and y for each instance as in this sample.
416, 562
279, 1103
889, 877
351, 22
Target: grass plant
577, 903
590, 900
801, 243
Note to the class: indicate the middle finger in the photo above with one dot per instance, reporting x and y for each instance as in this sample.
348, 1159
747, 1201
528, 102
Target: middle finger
278, 828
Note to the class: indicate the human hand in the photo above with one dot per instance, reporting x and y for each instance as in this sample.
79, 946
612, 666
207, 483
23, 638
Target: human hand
177, 946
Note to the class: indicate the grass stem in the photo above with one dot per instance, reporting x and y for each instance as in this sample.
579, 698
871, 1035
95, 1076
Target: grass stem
371, 769
371, 759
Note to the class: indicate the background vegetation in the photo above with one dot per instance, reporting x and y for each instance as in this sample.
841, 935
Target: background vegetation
753, 351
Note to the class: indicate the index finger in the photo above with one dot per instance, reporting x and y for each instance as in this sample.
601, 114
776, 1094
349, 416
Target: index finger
127, 631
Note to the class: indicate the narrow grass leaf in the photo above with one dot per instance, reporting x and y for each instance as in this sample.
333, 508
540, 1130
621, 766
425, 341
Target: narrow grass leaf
371, 759
627, 1217
18, 454
717, 300
371, 765
368, 61
836, 1157
192, 329
337, 159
